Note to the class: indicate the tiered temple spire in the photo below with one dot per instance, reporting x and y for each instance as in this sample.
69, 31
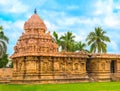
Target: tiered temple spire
35, 40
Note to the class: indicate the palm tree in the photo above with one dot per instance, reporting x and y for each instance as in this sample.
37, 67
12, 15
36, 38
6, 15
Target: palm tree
67, 41
4, 60
80, 46
3, 42
1, 28
97, 40
56, 38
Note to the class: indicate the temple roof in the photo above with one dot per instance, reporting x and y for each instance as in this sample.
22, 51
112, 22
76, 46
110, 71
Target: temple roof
34, 22
35, 41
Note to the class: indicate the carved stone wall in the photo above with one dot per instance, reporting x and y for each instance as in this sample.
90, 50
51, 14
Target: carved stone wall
37, 60
5, 75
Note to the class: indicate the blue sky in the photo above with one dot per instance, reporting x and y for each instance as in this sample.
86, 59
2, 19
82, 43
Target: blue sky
78, 16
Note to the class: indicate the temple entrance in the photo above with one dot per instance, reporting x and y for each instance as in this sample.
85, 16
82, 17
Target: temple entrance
88, 65
113, 66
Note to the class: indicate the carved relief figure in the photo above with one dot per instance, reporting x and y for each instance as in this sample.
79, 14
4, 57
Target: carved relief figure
20, 64
56, 66
76, 66
31, 65
82, 66
45, 66
62, 67
69, 67
103, 65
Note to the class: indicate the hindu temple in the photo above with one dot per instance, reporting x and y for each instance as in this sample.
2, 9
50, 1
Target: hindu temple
36, 59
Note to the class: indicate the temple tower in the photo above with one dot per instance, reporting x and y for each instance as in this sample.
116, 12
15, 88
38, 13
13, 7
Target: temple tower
33, 43
35, 40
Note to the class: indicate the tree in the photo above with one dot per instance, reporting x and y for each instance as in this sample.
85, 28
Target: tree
67, 41
80, 46
56, 38
97, 40
3, 48
3, 42
3, 61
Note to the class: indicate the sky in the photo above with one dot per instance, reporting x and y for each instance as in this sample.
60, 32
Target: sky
77, 16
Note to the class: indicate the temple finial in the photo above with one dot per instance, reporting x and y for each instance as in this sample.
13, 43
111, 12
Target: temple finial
35, 11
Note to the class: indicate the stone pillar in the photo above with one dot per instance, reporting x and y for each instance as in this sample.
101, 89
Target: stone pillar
24, 73
14, 65
69, 65
118, 66
56, 64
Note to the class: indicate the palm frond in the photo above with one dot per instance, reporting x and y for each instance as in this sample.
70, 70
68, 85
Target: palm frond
96, 40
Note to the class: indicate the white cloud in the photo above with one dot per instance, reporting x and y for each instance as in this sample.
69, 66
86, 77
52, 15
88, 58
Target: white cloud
50, 26
18, 7
64, 23
80, 36
72, 7
73, 24
104, 11
4, 2
103, 7
113, 46
12, 30
112, 21
13, 6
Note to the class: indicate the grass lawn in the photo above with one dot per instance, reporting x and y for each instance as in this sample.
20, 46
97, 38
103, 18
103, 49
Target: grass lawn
106, 86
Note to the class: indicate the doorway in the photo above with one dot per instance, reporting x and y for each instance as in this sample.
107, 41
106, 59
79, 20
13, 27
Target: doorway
88, 66
113, 66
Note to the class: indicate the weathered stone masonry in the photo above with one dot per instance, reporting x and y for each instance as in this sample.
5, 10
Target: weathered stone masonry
37, 60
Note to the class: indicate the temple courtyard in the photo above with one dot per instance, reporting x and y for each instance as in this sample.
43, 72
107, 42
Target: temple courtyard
103, 86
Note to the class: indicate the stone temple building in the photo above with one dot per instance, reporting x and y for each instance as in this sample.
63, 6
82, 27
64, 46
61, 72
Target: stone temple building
36, 60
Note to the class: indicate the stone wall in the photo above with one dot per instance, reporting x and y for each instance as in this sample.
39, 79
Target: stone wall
5, 75
46, 69
103, 67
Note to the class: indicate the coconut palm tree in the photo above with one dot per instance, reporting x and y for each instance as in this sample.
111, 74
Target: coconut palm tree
4, 60
80, 46
56, 38
3, 42
67, 41
97, 40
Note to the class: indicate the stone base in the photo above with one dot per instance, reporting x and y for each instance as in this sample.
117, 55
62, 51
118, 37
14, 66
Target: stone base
50, 81
99, 77
48, 78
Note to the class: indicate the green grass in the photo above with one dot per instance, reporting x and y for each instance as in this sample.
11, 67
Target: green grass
106, 86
